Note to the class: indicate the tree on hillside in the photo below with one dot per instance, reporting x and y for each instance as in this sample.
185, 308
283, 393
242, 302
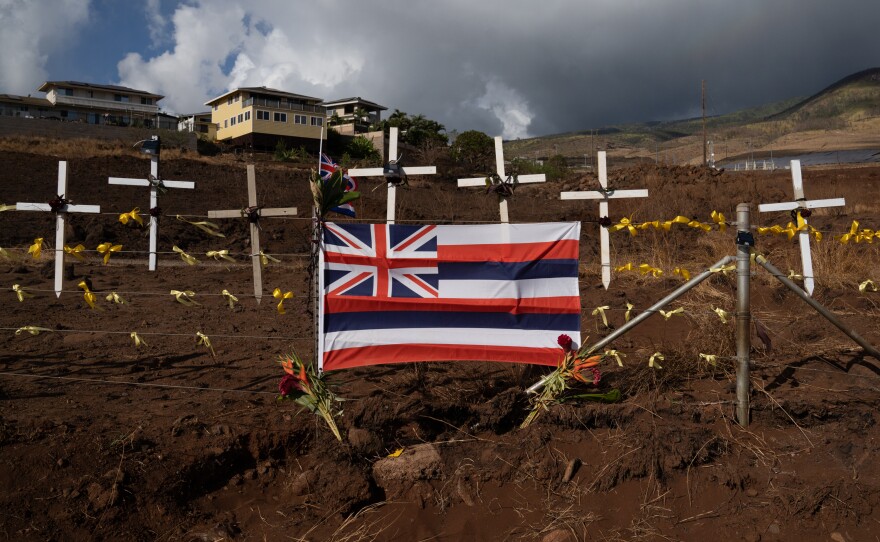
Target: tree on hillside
416, 130
473, 149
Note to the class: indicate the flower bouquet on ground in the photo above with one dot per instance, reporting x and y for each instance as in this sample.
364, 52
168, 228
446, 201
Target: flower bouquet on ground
307, 388
575, 366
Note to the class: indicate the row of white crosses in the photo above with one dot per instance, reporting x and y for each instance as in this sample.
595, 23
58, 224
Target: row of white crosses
801, 203
253, 213
60, 211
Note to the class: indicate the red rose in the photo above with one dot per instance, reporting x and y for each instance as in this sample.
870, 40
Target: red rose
288, 384
565, 342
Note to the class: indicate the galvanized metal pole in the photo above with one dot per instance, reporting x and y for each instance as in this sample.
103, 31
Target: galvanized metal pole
744, 243
681, 290
869, 349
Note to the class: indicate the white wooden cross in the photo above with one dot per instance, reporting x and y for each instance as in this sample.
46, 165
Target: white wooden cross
252, 214
801, 202
603, 196
154, 183
59, 221
378, 172
499, 168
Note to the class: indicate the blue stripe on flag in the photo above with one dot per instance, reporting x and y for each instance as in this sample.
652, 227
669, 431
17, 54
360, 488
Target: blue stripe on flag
350, 321
536, 269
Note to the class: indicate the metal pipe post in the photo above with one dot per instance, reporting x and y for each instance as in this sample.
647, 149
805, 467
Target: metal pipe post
744, 242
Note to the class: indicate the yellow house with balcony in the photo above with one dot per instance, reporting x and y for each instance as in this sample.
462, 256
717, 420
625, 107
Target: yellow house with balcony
260, 117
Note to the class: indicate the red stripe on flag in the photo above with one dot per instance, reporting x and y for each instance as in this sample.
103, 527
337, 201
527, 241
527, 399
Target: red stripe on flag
566, 249
347, 358
389, 263
350, 283
415, 238
538, 305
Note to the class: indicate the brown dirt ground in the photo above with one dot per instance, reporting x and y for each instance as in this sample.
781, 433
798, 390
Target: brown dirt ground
181, 446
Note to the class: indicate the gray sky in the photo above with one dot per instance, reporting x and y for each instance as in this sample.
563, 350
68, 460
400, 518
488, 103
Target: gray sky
511, 68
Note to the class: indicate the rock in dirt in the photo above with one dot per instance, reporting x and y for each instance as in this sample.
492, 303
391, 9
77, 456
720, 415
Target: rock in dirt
571, 470
558, 535
837, 537
421, 462
364, 442
303, 484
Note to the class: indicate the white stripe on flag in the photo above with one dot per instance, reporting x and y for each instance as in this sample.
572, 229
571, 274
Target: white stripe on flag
509, 289
494, 234
530, 338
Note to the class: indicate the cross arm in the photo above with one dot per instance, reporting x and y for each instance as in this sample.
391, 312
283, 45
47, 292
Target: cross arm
520, 179
379, 172
596, 194
811, 204
67, 208
144, 182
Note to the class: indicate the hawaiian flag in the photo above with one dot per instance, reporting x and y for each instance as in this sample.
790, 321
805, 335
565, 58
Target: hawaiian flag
400, 293
328, 166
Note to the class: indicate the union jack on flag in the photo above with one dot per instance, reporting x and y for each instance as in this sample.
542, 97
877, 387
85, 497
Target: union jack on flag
328, 166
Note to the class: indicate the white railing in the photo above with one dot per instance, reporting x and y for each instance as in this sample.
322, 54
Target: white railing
272, 104
106, 104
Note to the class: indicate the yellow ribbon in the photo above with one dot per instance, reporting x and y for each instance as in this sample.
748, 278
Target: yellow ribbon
653, 361
231, 298
21, 293
710, 358
107, 249
646, 269
76, 251
204, 340
863, 287
217, 254
616, 355
601, 312
88, 295
36, 250
790, 229
723, 314
278, 294
858, 236
132, 216
396, 453
4, 207
718, 218
624, 223
629, 308
190, 260
208, 227
683, 272
794, 276
184, 297
669, 314
137, 340
115, 298
265, 259
723, 269
33, 330
4, 254
627, 267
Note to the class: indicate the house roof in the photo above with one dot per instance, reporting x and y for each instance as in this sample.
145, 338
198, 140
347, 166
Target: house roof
24, 100
265, 90
356, 100
47, 86
202, 114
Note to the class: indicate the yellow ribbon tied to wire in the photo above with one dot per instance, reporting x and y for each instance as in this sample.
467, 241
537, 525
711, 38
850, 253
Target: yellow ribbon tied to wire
265, 259
4, 207
203, 340
138, 342
190, 260
113, 297
629, 308
723, 314
36, 250
278, 294
718, 218
616, 355
626, 267
217, 254
88, 295
858, 235
133, 216
794, 276
669, 314
107, 249
655, 357
711, 359
646, 269
625, 223
230, 298
863, 287
790, 229
76, 251
723, 269
208, 227
21, 293
184, 297
601, 312
685, 274
33, 330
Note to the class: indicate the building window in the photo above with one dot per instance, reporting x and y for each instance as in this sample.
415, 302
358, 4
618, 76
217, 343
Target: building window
229, 100
262, 115
317, 121
240, 117
247, 115
66, 91
226, 123
232, 121
120, 98
91, 94
280, 117
146, 101
216, 107
300, 119
63, 113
